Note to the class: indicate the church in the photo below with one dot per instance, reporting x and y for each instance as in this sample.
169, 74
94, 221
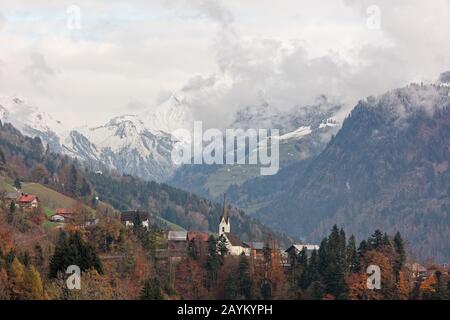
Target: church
234, 244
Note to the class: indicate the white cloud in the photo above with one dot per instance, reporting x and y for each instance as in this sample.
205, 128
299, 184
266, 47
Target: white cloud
224, 54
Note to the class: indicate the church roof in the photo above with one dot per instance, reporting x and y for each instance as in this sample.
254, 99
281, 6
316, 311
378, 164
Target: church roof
234, 240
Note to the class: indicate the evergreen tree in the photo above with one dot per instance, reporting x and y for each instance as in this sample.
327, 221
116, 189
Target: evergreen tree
151, 290
376, 239
313, 266
332, 264
303, 258
10, 215
244, 280
212, 263
229, 290
266, 290
364, 247
73, 250
25, 258
401, 254
138, 228
440, 287
303, 281
85, 189
192, 250
38, 255
73, 181
17, 184
386, 241
352, 255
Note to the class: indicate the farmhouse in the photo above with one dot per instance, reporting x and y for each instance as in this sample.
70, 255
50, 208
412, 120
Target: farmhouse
130, 217
293, 251
62, 215
12, 196
256, 248
28, 201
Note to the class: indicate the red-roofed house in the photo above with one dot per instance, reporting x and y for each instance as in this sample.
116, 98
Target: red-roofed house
196, 235
64, 212
28, 201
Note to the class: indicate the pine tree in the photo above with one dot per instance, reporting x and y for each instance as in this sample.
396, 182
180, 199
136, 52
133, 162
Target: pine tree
266, 290
151, 290
10, 215
441, 290
138, 228
212, 263
73, 181
401, 254
352, 255
364, 247
313, 266
303, 281
332, 264
229, 290
192, 250
85, 189
38, 255
73, 250
376, 239
244, 280
386, 241
17, 184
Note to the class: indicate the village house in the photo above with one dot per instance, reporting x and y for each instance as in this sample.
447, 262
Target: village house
419, 271
28, 201
177, 243
256, 249
297, 248
130, 217
12, 196
62, 215
293, 251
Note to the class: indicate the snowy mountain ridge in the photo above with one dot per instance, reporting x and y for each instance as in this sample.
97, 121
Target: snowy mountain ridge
141, 144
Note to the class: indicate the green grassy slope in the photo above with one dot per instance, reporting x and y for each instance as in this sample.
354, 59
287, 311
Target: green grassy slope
51, 198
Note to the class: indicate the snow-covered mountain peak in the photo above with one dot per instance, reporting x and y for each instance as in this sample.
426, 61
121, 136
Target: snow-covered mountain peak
169, 116
27, 116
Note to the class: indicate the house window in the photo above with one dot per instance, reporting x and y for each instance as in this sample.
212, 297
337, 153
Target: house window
223, 229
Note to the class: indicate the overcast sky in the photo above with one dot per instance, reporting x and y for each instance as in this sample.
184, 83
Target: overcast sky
127, 56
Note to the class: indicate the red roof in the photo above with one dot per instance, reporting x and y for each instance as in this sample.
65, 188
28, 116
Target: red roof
63, 211
27, 198
202, 236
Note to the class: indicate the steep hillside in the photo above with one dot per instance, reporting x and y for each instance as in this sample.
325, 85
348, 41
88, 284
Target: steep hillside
388, 167
62, 182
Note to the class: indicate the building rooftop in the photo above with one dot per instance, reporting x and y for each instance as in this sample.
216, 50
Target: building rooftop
234, 240
255, 245
202, 236
308, 247
177, 236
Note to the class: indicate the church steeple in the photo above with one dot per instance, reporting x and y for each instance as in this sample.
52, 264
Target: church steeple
224, 224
